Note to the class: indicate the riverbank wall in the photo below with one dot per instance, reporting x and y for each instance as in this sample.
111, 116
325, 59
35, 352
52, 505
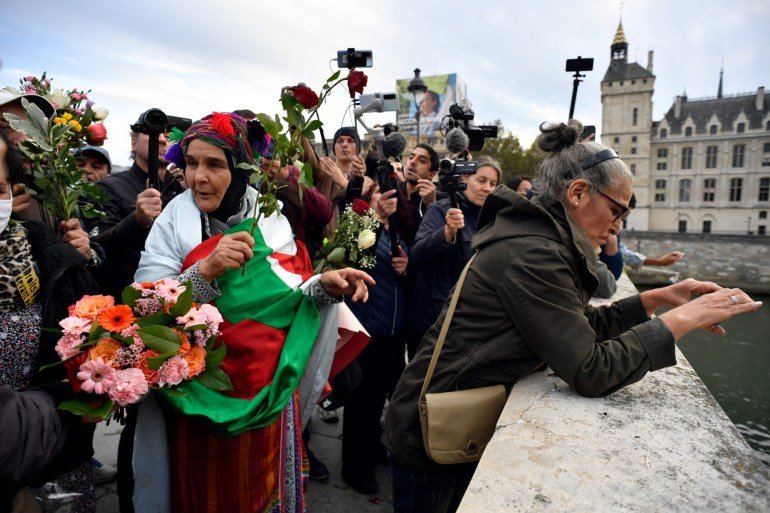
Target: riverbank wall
730, 260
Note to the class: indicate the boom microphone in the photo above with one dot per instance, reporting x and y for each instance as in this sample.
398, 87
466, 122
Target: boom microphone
456, 141
394, 145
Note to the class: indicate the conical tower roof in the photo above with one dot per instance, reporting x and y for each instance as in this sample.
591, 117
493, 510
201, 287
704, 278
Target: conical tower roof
620, 36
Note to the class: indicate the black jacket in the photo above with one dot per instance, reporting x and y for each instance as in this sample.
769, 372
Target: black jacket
436, 264
64, 280
37, 441
525, 302
119, 233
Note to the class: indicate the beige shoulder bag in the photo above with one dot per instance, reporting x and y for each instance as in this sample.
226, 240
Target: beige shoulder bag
457, 426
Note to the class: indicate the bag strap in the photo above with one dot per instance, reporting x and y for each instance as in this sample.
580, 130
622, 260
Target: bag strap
444, 329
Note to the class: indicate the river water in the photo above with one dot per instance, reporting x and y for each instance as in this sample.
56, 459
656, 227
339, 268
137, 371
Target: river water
736, 369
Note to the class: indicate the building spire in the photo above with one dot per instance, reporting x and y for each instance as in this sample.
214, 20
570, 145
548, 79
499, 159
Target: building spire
620, 36
721, 72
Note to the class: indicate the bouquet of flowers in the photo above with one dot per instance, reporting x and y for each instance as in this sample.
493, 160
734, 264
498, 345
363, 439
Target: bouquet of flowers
158, 338
352, 245
51, 147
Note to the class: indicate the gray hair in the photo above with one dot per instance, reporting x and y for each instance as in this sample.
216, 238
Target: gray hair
564, 155
485, 161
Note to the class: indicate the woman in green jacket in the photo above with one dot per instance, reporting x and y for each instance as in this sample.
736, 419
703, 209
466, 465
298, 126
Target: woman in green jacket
525, 302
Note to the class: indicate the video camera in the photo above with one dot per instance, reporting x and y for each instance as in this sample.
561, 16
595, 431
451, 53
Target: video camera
154, 122
462, 117
157, 121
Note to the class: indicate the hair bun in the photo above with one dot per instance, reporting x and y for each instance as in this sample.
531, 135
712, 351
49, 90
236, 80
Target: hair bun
557, 136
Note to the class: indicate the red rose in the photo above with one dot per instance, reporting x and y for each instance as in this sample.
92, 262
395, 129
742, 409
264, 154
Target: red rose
360, 207
305, 96
97, 133
356, 82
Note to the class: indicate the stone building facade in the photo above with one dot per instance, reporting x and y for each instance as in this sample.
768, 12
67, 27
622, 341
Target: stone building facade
704, 167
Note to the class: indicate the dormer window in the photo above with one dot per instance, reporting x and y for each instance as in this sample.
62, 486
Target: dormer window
663, 133
688, 131
741, 128
713, 129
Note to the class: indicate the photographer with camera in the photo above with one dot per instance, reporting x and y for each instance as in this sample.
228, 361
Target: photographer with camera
442, 246
131, 207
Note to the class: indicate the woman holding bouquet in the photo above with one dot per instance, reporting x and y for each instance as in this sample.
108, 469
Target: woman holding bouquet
240, 450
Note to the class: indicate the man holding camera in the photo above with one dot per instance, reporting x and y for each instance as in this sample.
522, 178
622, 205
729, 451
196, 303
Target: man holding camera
131, 207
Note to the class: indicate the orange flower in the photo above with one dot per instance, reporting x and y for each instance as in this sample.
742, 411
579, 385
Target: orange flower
185, 345
147, 285
106, 349
196, 360
90, 306
150, 375
116, 318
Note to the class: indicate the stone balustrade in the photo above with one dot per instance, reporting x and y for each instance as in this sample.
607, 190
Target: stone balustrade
662, 444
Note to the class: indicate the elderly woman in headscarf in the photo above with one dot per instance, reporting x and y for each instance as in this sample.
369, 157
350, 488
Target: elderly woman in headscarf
240, 450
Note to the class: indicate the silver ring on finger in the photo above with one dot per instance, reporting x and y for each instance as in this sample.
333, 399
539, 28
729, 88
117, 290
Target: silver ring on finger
735, 300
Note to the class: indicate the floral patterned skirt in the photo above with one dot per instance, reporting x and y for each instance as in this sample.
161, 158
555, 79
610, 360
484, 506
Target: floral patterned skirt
257, 471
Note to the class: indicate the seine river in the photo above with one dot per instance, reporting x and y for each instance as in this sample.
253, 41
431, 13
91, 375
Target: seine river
736, 369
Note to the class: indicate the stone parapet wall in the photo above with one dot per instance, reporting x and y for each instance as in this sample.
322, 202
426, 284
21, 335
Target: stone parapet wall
730, 260
662, 444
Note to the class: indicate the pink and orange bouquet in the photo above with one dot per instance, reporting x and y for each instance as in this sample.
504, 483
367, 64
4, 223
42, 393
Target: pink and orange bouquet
158, 338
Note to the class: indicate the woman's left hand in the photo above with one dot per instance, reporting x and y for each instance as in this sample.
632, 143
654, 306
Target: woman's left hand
399, 262
347, 282
677, 294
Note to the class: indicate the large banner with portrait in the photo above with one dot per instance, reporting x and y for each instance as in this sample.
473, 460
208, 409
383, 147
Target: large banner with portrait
443, 91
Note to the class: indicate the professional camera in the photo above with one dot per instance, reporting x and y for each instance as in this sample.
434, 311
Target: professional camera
450, 172
156, 121
462, 117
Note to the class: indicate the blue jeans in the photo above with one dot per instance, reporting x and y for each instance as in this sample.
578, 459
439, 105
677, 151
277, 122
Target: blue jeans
428, 491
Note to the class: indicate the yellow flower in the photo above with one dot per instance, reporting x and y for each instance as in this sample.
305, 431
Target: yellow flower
66, 116
74, 124
59, 121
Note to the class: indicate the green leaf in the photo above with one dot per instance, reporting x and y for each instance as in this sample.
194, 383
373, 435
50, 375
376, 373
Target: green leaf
184, 301
334, 76
313, 125
270, 126
295, 118
214, 358
306, 176
160, 339
96, 331
288, 101
336, 256
130, 295
35, 116
83, 409
156, 319
27, 128
215, 379
156, 361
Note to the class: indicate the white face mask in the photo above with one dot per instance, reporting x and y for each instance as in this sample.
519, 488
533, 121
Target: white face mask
6, 206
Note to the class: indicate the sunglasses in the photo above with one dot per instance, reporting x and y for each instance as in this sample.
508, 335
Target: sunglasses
624, 210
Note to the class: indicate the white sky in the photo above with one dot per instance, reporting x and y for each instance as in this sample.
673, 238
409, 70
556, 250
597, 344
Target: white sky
190, 58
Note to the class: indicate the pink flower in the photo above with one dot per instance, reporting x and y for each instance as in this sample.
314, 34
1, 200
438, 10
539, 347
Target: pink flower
169, 289
29, 90
130, 386
131, 332
97, 377
201, 337
213, 317
29, 78
67, 346
147, 306
192, 318
173, 371
74, 325
75, 96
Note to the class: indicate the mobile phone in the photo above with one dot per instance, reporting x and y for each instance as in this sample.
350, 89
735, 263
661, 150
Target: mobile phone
352, 58
588, 131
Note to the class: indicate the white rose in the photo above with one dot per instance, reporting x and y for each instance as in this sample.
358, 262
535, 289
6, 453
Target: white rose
58, 98
366, 239
101, 114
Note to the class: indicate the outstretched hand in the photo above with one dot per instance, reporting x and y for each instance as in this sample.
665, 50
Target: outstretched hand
347, 282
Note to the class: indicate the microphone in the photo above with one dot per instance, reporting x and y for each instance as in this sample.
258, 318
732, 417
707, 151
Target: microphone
456, 141
394, 145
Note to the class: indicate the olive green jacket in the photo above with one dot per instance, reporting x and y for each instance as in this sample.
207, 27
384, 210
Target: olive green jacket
525, 302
